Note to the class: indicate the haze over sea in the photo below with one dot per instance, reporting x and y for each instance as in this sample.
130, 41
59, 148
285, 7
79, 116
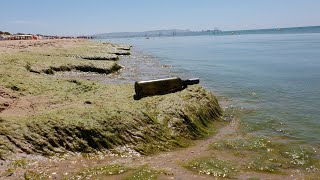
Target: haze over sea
271, 80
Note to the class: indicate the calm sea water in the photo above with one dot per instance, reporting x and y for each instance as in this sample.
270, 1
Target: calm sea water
273, 81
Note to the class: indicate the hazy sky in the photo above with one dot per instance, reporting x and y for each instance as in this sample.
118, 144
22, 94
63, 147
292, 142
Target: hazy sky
74, 17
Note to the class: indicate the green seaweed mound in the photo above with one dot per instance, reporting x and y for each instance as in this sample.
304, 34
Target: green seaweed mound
152, 124
44, 114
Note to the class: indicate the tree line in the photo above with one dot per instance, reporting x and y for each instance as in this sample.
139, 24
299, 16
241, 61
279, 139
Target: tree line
4, 33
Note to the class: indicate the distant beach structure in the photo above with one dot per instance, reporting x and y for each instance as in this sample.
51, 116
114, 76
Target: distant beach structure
19, 37
38, 37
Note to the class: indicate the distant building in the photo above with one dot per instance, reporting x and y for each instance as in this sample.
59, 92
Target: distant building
20, 37
5, 37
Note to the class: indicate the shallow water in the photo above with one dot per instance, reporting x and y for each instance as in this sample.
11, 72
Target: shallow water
273, 81
136, 67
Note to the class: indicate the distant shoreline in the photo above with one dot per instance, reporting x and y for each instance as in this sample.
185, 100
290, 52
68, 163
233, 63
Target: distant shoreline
214, 32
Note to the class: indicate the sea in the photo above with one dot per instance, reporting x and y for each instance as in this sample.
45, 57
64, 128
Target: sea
270, 81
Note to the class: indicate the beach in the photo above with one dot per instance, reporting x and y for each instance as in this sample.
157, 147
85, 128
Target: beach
42, 115
60, 119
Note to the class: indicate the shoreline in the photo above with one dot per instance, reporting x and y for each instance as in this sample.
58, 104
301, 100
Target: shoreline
233, 69
285, 140
228, 153
47, 116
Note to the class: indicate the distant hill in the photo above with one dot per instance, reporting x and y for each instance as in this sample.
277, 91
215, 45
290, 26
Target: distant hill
178, 32
169, 32
290, 30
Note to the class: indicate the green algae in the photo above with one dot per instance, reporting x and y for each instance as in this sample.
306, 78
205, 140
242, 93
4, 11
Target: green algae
118, 171
264, 155
253, 178
144, 173
254, 143
106, 170
20, 168
211, 166
73, 115
263, 164
19, 163
242, 154
32, 175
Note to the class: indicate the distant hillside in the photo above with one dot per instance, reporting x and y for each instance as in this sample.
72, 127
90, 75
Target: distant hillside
177, 32
169, 32
290, 30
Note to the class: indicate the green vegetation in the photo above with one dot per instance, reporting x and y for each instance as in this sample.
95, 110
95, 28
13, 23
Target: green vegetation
211, 166
127, 173
144, 173
21, 165
253, 178
263, 155
256, 154
4, 33
51, 115
32, 175
108, 170
253, 143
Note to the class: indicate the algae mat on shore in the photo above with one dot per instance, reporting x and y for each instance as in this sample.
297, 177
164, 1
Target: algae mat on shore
42, 114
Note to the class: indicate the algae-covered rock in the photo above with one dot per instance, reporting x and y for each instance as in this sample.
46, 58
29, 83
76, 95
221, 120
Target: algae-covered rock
106, 57
56, 115
153, 124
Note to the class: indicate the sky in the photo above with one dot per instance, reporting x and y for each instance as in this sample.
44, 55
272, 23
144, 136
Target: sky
86, 17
